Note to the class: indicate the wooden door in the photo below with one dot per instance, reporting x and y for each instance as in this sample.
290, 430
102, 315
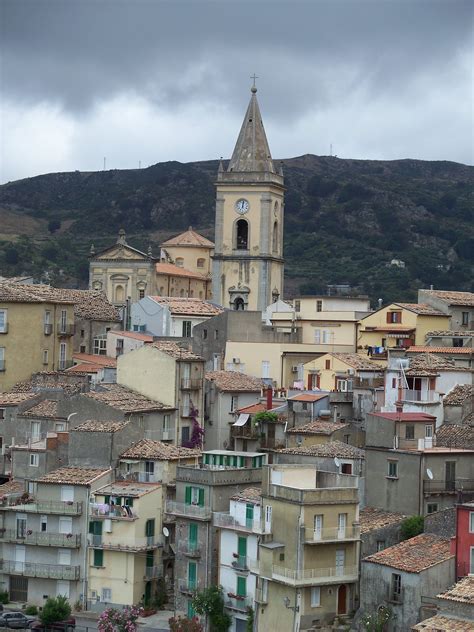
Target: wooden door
342, 599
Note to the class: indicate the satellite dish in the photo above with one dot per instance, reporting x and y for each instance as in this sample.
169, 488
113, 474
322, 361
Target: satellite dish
166, 532
429, 474
337, 462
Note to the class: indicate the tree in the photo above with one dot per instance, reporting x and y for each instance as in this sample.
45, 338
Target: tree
54, 225
55, 609
210, 602
376, 622
183, 624
412, 526
11, 255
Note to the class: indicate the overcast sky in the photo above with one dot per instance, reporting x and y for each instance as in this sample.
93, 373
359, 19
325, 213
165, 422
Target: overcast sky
151, 81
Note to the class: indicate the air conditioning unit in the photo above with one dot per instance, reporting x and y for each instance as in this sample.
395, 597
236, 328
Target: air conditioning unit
236, 360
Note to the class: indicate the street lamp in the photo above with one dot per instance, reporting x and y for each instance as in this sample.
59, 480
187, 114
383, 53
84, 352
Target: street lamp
286, 601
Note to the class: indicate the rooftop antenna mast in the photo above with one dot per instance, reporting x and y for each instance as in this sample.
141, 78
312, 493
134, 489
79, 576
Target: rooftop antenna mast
330, 149
105, 162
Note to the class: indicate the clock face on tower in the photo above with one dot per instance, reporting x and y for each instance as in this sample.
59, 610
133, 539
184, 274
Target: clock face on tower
242, 206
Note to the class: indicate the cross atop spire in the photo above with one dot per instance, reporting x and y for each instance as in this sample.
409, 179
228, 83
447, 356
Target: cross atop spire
254, 87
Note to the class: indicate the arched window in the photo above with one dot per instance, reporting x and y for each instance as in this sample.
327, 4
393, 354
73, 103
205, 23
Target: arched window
200, 295
191, 293
239, 304
201, 263
181, 292
162, 291
179, 262
242, 235
275, 238
119, 294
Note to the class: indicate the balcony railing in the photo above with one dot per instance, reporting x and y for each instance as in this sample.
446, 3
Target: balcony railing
420, 396
119, 543
190, 549
188, 587
45, 571
373, 382
331, 534
66, 329
225, 520
98, 510
153, 572
43, 506
238, 603
448, 486
240, 562
39, 538
315, 575
244, 432
189, 511
190, 384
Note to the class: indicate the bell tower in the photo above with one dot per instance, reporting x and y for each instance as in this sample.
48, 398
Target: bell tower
248, 255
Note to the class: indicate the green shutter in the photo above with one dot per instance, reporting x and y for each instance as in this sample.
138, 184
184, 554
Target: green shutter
95, 527
150, 528
191, 612
192, 575
249, 513
98, 557
254, 461
107, 500
150, 559
193, 533
128, 501
201, 497
241, 586
187, 497
91, 527
241, 461
242, 546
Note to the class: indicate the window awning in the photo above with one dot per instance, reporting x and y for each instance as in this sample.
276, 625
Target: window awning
399, 335
242, 420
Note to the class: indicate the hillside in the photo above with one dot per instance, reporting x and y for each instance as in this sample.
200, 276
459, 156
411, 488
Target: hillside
344, 221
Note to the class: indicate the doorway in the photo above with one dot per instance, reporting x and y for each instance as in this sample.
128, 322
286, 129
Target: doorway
342, 599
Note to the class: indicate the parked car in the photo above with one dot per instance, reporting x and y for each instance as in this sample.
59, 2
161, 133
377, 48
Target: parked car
58, 626
16, 620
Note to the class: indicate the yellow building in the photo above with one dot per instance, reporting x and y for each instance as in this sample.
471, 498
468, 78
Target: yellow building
341, 372
317, 432
248, 256
36, 331
124, 556
191, 251
399, 325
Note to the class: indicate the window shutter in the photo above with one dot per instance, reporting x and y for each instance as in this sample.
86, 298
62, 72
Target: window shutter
107, 500
98, 557
91, 527
241, 586
389, 317
187, 497
201, 498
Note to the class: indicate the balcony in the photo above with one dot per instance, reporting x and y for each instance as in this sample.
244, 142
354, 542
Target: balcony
448, 486
188, 587
66, 329
44, 571
227, 521
65, 508
48, 329
421, 397
372, 382
39, 538
261, 596
314, 576
190, 549
188, 511
331, 534
114, 512
190, 384
236, 602
244, 432
113, 543
153, 572
240, 562
185, 411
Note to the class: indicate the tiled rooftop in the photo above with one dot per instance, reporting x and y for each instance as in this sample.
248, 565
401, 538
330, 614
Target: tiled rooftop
135, 335
462, 591
330, 450
15, 398
125, 399
371, 519
100, 360
170, 269
150, 449
29, 293
308, 397
250, 495
174, 350
453, 298
318, 427
72, 475
188, 306
11, 487
258, 407
69, 384
414, 555
235, 381
47, 408
127, 488
455, 436
100, 426
444, 623
445, 350
189, 238
448, 333
84, 368
357, 361
421, 308
404, 417
427, 364
90, 305
459, 394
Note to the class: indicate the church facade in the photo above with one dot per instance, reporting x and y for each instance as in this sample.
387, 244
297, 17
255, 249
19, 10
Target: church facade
248, 261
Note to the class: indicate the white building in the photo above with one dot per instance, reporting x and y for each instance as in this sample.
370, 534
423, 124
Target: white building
120, 342
170, 316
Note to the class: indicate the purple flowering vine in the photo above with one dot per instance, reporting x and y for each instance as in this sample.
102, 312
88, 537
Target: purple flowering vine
197, 432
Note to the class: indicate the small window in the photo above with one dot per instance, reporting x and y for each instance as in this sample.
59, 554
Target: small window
180, 262
106, 594
346, 468
396, 587
34, 460
428, 431
201, 263
83, 348
315, 596
431, 508
234, 402
242, 234
216, 334
409, 431
394, 317
45, 356
465, 318
44, 524
2, 414
380, 545
327, 364
319, 306
98, 558
32, 487
393, 469
100, 346
394, 382
297, 306
166, 422
3, 321
82, 333
186, 330
471, 522
141, 294
282, 557
317, 336
204, 334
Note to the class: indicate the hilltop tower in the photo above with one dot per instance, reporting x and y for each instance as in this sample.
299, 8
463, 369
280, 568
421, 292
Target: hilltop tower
248, 256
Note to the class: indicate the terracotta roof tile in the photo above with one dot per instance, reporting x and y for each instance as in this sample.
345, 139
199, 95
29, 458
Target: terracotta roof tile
403, 417
85, 368
12, 487
455, 436
188, 306
445, 350
29, 293
371, 519
308, 397
458, 395
250, 495
45, 380
330, 450
73, 475
453, 298
258, 407
135, 335
462, 591
15, 398
127, 488
47, 408
445, 333
414, 555
235, 381
357, 361
100, 360
318, 427
170, 269
423, 309
125, 399
189, 238
175, 351
90, 305
100, 426
428, 365
150, 449
444, 623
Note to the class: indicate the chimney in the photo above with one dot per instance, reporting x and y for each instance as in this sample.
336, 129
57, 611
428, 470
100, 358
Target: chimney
269, 398
380, 301
399, 407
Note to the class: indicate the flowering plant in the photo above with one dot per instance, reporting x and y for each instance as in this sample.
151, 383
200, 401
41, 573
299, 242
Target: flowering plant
197, 434
113, 620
